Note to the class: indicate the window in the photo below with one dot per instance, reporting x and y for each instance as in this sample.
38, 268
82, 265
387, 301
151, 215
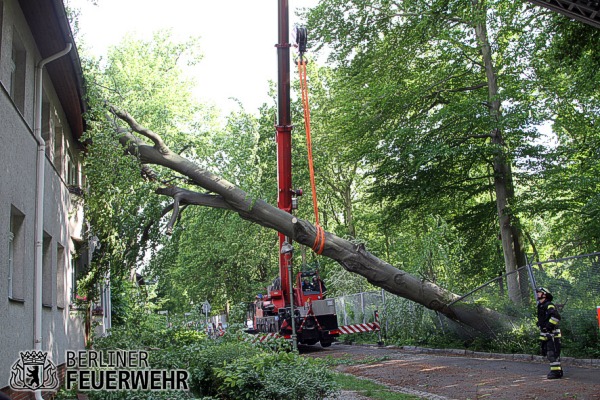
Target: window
11, 250
73, 278
72, 170
1, 18
75, 271
17, 72
47, 133
58, 144
60, 276
13, 73
47, 276
16, 255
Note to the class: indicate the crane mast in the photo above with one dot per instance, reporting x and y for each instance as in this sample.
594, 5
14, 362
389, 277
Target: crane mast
295, 309
284, 137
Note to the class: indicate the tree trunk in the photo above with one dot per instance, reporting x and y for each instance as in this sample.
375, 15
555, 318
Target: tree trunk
510, 234
352, 257
347, 195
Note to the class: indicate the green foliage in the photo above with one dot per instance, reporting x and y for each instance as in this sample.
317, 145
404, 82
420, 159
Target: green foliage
522, 340
276, 344
403, 158
146, 79
409, 101
213, 256
275, 376
201, 361
139, 395
408, 106
237, 313
64, 394
573, 282
368, 337
146, 336
213, 364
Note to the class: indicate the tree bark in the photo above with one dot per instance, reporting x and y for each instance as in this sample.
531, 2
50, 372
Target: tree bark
510, 234
354, 258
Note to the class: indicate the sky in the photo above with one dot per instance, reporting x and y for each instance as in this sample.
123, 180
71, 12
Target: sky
237, 39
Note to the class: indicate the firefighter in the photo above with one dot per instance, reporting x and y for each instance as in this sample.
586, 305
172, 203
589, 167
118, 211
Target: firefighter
318, 285
547, 320
306, 286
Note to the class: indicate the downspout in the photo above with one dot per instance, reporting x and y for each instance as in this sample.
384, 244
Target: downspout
39, 201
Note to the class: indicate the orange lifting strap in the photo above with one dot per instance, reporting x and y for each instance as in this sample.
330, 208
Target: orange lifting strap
319, 244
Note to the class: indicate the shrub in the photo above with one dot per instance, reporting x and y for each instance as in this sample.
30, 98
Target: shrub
275, 376
230, 367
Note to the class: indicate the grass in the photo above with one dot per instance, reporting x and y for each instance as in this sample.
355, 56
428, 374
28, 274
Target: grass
369, 389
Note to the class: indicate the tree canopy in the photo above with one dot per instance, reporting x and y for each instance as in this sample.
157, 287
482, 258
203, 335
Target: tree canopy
452, 139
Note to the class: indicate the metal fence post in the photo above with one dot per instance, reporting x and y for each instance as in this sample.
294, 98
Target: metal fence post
531, 276
362, 306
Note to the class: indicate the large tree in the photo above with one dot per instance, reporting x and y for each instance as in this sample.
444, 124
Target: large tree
441, 101
568, 63
210, 256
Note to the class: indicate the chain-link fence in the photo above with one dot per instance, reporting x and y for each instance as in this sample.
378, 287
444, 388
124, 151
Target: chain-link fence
574, 282
358, 308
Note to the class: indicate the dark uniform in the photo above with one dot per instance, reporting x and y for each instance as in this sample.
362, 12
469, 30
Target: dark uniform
547, 320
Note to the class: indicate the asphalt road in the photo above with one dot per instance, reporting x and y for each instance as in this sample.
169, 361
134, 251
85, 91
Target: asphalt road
433, 375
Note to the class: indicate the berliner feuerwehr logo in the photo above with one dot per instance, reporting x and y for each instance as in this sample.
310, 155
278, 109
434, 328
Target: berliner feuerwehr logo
33, 371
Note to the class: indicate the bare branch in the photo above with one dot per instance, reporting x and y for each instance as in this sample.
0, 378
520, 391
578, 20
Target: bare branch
146, 232
133, 124
184, 196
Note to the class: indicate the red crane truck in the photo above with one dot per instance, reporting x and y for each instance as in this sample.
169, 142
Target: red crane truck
314, 317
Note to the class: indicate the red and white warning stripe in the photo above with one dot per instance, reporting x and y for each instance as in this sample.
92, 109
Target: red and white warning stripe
359, 328
261, 337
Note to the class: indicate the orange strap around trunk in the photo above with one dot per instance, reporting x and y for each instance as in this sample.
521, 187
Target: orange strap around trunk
319, 244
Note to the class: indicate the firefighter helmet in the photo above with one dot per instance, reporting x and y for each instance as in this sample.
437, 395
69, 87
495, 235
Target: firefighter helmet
545, 291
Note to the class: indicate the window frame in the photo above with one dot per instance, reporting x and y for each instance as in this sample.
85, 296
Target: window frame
18, 71
16, 262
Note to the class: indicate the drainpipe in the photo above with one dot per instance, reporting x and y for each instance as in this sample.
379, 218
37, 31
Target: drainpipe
39, 201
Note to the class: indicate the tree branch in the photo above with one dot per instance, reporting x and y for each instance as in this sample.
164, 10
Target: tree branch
133, 124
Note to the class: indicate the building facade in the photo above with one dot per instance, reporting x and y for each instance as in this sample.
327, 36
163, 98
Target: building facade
40, 313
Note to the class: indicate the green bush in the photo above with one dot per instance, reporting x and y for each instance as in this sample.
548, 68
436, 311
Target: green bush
204, 364
141, 395
275, 376
231, 367
521, 340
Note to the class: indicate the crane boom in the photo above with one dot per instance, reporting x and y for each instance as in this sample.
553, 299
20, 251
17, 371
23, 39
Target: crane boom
298, 312
284, 136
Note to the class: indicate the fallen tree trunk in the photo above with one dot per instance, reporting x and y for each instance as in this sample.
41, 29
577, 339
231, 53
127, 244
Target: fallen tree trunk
352, 257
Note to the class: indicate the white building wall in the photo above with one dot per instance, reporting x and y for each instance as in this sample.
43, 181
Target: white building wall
62, 328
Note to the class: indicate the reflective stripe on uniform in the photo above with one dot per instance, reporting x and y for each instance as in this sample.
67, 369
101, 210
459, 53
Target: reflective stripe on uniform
554, 321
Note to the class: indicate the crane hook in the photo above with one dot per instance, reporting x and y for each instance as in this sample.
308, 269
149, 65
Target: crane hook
301, 40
